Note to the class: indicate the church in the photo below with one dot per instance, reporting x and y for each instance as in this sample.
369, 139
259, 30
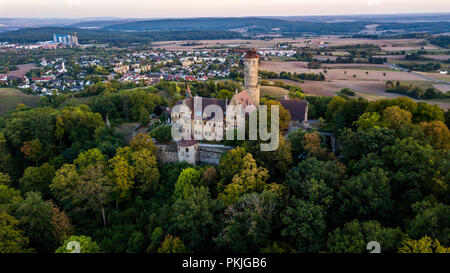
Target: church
198, 124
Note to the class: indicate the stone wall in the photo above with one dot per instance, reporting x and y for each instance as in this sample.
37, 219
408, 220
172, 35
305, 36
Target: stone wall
167, 153
207, 153
210, 153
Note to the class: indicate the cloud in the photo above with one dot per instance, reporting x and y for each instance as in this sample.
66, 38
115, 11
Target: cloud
73, 3
374, 2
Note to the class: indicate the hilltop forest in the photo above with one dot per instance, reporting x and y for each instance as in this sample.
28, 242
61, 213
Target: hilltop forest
65, 175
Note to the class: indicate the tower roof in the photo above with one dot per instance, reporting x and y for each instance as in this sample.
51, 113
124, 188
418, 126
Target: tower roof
252, 54
188, 91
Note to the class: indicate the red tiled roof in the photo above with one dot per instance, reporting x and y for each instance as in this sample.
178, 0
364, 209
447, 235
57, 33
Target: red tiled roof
187, 143
205, 102
252, 53
244, 99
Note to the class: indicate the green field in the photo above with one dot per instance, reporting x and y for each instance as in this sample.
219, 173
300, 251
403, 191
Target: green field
445, 66
9, 98
273, 91
282, 59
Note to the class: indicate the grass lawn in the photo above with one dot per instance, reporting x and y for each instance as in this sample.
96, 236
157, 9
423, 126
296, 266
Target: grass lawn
282, 59
77, 101
273, 91
10, 97
125, 130
422, 84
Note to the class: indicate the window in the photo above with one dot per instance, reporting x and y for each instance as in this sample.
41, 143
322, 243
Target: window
187, 150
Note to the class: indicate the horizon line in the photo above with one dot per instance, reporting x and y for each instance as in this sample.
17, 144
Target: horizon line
249, 16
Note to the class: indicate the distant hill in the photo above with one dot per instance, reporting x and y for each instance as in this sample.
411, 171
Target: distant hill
291, 25
96, 24
118, 31
118, 38
201, 24
258, 25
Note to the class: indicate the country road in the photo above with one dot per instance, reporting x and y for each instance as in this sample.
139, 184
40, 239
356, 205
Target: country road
394, 66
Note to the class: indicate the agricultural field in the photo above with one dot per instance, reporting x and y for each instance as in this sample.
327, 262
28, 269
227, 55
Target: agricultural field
273, 91
22, 70
323, 41
9, 98
353, 72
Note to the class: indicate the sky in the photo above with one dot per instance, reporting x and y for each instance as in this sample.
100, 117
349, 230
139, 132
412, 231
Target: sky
211, 8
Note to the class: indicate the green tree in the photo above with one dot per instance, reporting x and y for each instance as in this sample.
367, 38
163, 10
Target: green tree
328, 176
189, 179
296, 139
172, 245
142, 141
369, 120
248, 223
121, 174
230, 164
354, 145
162, 133
437, 134
366, 196
284, 115
305, 225
194, 218
35, 216
144, 117
395, 118
37, 179
354, 236
432, 219
250, 179
424, 245
9, 198
93, 190
89, 157
5, 179
87, 245
155, 240
277, 162
146, 171
414, 171
12, 239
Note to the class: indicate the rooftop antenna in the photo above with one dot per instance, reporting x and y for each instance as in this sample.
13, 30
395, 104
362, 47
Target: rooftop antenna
253, 37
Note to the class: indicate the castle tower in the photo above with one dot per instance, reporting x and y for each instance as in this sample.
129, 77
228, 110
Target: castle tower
251, 75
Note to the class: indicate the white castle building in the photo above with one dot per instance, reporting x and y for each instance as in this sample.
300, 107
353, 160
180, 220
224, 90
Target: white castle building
200, 124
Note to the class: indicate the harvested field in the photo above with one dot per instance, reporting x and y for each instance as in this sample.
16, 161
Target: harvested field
438, 76
442, 87
22, 71
341, 74
369, 90
327, 88
438, 57
324, 58
328, 40
355, 65
392, 57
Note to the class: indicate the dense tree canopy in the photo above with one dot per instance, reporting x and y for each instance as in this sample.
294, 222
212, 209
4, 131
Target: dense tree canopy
67, 175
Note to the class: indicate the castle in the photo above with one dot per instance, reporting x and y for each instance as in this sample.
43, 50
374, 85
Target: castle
202, 124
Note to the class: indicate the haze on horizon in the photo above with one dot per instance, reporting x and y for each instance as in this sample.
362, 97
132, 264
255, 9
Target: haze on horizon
211, 8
